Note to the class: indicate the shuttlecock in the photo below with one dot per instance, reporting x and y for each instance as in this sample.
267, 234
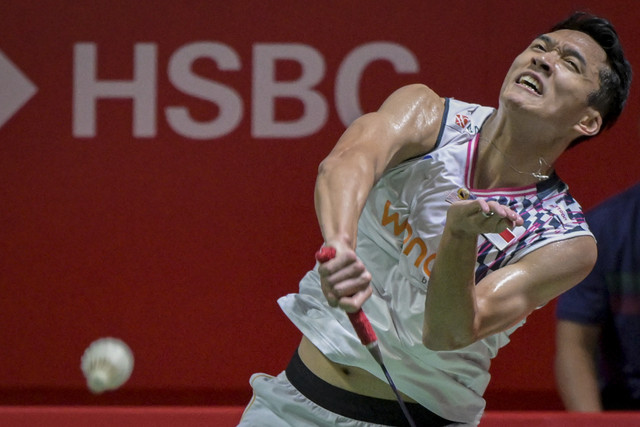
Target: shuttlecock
107, 364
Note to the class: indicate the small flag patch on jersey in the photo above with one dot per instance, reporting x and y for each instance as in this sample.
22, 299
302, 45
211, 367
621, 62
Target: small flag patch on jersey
503, 239
507, 235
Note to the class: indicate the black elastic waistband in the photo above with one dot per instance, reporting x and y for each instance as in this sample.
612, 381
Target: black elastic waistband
353, 405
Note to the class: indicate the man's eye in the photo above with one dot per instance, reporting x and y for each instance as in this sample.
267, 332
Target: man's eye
573, 65
539, 47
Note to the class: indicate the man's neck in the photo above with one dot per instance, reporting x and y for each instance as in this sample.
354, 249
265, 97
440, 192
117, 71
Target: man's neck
514, 154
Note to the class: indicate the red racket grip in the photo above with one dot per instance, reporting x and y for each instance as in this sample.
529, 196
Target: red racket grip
325, 253
363, 327
358, 319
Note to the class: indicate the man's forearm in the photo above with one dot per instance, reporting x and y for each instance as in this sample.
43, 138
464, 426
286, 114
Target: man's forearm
450, 305
575, 366
578, 388
340, 196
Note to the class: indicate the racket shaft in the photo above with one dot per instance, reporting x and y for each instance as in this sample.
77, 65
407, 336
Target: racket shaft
367, 336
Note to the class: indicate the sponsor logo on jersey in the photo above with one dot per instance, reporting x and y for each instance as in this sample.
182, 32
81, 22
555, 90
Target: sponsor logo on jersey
462, 120
412, 246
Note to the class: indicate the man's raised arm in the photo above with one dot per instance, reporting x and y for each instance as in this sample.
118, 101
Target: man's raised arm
406, 125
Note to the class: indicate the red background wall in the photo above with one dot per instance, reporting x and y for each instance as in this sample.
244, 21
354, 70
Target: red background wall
181, 246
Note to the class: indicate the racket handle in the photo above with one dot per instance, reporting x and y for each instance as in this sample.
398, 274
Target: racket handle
325, 253
363, 327
358, 319
366, 334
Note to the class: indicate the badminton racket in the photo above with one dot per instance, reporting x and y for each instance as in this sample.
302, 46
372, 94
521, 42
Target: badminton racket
367, 335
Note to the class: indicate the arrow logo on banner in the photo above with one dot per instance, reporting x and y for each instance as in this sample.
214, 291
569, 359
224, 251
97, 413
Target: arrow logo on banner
15, 89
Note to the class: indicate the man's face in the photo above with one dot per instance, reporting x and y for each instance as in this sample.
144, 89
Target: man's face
554, 76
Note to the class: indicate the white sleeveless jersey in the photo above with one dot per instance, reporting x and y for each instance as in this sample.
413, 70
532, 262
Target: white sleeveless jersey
398, 235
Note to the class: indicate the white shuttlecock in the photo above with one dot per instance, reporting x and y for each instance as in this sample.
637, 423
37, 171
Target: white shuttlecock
107, 364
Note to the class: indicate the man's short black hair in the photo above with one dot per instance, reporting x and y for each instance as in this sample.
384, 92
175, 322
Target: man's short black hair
615, 80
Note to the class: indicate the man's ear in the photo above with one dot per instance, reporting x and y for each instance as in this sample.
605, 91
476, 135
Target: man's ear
590, 124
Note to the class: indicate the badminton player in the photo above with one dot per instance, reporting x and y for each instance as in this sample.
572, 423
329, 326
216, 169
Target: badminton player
450, 226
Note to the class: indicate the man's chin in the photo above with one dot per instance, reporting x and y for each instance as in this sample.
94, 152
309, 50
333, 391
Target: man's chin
523, 102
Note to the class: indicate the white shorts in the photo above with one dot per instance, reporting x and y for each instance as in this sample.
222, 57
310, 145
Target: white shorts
277, 403
297, 397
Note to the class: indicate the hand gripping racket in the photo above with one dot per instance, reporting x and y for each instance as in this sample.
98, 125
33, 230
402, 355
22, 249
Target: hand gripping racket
367, 335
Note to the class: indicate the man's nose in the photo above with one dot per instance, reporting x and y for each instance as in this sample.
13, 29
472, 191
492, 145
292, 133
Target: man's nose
543, 61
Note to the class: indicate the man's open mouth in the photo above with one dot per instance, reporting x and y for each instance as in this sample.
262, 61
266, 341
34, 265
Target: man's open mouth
531, 83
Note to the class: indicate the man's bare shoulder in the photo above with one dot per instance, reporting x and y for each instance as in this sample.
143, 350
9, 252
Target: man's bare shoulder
415, 95
414, 113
